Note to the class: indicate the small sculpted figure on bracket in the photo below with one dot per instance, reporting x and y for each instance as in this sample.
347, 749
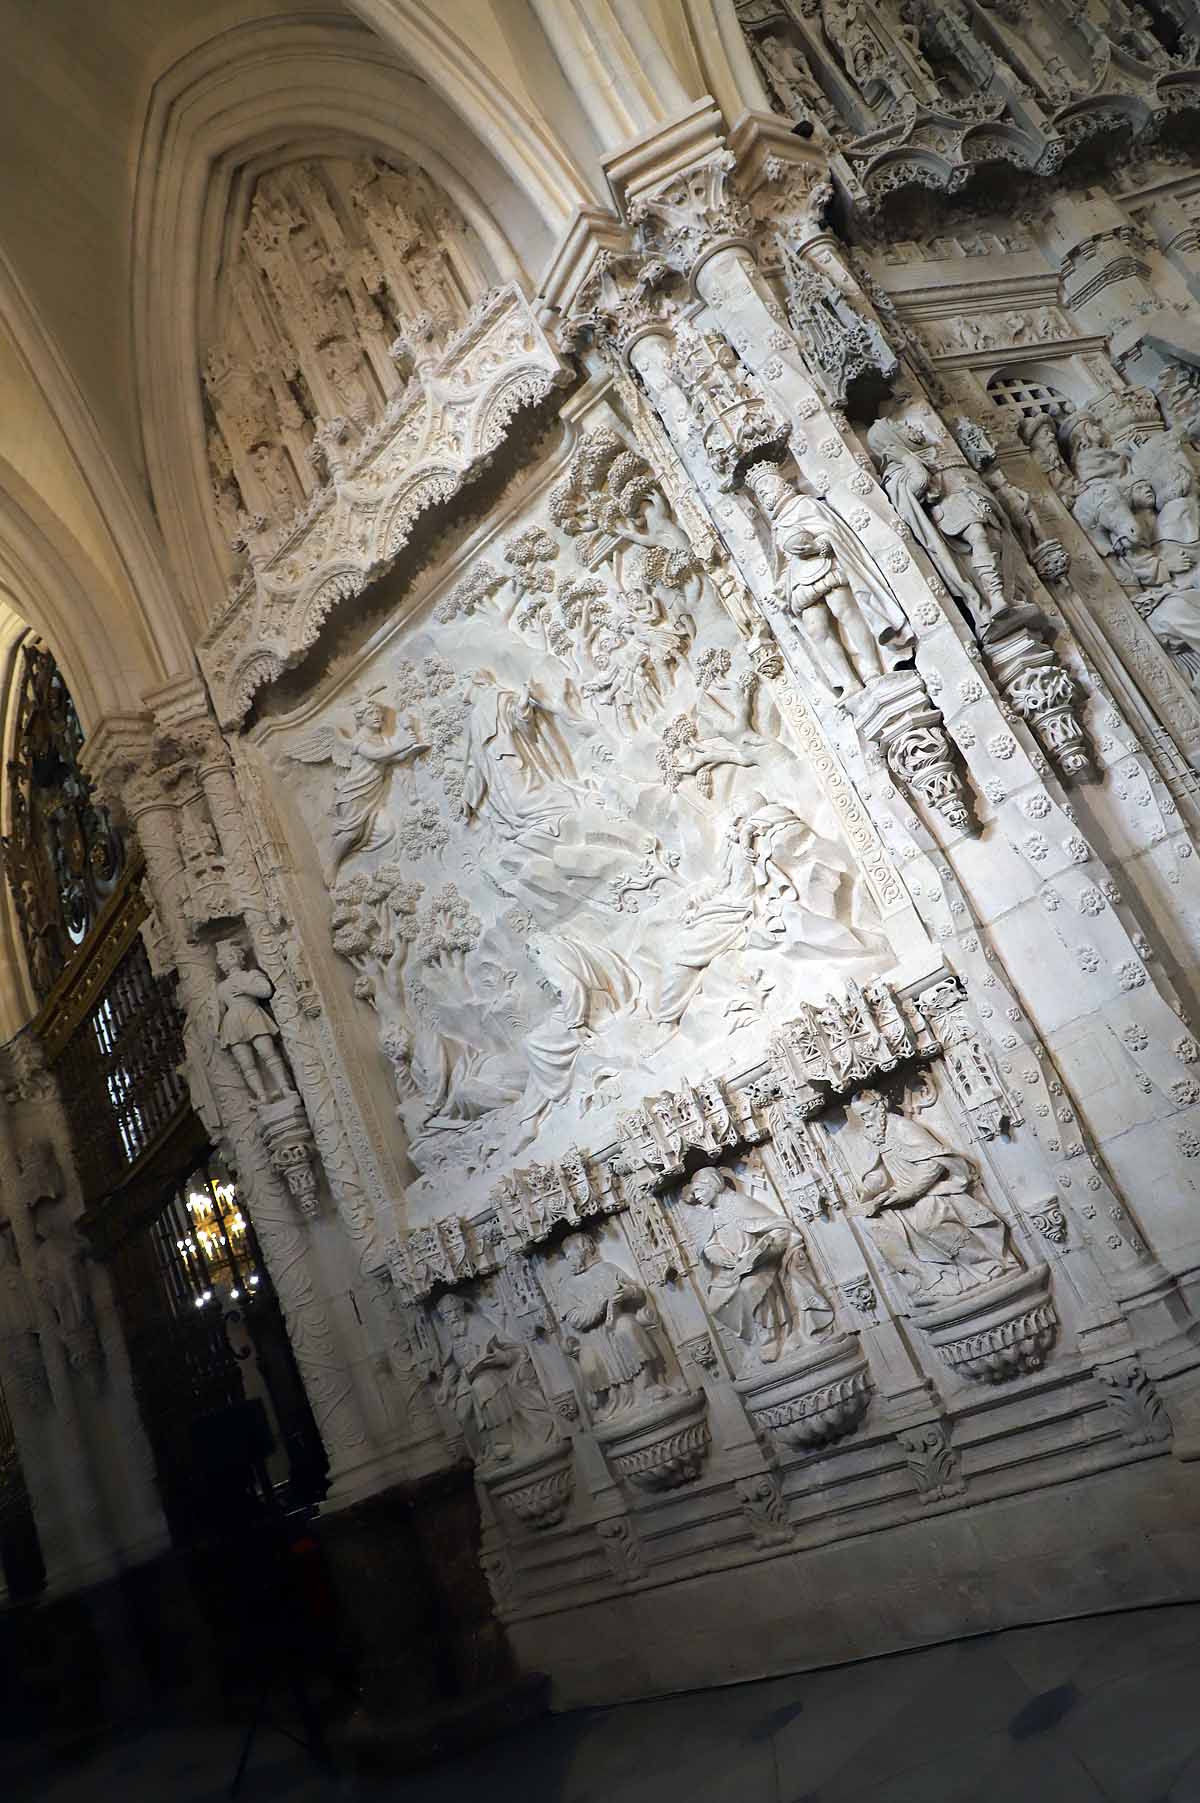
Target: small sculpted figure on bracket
761, 1285
614, 1333
951, 513
247, 1029
938, 1239
854, 624
365, 758
490, 1384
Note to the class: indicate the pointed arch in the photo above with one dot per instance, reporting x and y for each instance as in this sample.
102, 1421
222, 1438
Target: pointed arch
126, 608
257, 96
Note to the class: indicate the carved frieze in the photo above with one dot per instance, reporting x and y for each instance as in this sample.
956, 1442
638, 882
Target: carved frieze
431, 438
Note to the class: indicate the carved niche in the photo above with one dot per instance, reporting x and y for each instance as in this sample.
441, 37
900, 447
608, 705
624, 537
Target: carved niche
340, 268
567, 829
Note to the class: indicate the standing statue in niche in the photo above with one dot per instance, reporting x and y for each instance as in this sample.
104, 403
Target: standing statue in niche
937, 1238
490, 1384
792, 81
614, 1332
61, 1282
761, 1285
364, 759
868, 39
943, 502
245, 1028
853, 623
1105, 493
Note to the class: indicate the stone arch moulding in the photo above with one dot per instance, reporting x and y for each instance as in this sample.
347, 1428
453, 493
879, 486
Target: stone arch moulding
264, 96
112, 657
54, 585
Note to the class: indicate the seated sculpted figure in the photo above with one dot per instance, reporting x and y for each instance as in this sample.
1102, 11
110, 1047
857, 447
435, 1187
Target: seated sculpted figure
761, 1285
491, 1385
938, 1239
614, 1332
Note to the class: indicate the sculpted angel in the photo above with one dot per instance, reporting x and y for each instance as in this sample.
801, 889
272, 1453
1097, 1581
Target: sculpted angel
364, 759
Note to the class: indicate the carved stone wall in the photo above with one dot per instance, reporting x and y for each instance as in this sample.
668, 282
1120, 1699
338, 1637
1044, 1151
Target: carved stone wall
696, 977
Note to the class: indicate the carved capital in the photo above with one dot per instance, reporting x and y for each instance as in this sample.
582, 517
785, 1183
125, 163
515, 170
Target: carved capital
932, 1461
1034, 683
687, 219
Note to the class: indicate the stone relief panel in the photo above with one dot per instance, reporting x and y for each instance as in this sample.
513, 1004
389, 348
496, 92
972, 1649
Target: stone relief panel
567, 831
341, 272
1132, 481
920, 96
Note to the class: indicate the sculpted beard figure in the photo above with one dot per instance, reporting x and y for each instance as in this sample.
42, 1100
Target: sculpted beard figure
490, 1382
616, 1342
855, 626
761, 1284
932, 1232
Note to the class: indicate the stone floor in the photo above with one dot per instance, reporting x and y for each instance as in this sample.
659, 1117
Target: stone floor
1099, 1711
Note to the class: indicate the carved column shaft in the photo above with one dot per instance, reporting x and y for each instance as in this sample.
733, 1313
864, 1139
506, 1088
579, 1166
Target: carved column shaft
83, 1449
310, 1307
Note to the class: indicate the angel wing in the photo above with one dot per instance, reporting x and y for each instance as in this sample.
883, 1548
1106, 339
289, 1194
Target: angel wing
321, 743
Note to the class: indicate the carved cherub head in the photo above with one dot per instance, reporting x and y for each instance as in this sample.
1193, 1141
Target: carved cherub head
230, 956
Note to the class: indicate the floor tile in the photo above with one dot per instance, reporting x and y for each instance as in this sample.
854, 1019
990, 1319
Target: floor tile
1100, 1647
1099, 1711
1041, 1771
1137, 1734
865, 1723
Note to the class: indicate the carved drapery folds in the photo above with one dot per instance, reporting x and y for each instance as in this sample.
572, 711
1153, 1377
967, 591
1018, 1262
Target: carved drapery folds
737, 1194
713, 1190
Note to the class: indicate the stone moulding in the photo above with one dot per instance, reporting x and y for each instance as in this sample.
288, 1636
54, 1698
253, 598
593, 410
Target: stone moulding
1000, 1331
536, 1492
661, 1448
434, 437
811, 1402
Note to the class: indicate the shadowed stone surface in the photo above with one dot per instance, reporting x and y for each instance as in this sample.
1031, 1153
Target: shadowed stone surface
956, 1722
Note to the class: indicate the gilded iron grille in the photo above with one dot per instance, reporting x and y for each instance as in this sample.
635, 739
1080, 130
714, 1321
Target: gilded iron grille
119, 1073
